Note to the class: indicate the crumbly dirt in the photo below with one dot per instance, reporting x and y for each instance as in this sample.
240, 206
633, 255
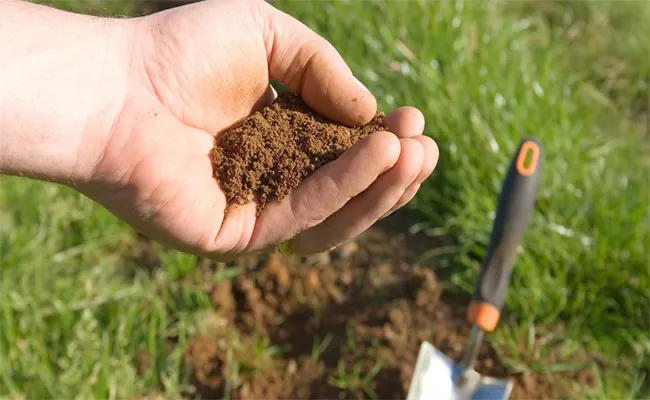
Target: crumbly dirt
345, 324
269, 153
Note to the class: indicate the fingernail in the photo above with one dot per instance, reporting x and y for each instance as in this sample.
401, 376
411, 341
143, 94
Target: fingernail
361, 85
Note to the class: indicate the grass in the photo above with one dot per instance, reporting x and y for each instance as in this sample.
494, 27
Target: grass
354, 379
72, 322
486, 75
76, 310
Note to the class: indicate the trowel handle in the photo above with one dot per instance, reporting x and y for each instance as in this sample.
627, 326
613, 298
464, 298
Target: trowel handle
516, 204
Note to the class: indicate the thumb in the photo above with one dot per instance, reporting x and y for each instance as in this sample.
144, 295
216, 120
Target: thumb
312, 68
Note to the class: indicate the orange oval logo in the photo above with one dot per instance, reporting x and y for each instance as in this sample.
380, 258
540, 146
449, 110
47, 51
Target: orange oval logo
526, 166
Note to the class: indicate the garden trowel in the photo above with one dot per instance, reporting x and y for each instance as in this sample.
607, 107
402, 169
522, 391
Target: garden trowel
435, 375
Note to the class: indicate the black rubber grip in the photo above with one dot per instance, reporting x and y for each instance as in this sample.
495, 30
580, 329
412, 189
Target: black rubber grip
516, 203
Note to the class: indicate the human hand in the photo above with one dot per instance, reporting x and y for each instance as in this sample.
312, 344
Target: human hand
194, 71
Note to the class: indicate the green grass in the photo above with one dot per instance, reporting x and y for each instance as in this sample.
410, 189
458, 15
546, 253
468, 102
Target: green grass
354, 379
486, 76
75, 311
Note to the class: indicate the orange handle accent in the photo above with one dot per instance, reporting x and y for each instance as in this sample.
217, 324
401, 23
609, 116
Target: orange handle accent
484, 315
521, 158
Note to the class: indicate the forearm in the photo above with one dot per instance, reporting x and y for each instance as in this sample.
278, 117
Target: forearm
62, 85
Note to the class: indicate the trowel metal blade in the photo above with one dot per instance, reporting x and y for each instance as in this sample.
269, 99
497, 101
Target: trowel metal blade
435, 375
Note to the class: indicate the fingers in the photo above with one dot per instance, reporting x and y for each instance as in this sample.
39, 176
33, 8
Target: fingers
418, 158
312, 68
328, 189
270, 95
431, 155
365, 209
408, 195
405, 122
266, 99
408, 122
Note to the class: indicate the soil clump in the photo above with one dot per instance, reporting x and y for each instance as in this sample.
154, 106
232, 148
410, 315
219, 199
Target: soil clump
269, 153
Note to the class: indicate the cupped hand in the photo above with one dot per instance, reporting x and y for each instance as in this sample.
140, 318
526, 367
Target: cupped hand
196, 70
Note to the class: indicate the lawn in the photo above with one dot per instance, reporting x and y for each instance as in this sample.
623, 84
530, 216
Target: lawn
78, 308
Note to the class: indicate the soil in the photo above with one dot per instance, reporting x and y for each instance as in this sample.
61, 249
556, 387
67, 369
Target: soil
345, 324
269, 153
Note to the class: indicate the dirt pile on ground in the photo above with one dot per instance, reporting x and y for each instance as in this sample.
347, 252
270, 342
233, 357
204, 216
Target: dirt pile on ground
269, 153
348, 324
342, 325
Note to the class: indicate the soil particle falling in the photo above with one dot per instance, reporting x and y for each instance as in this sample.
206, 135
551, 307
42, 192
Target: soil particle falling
271, 152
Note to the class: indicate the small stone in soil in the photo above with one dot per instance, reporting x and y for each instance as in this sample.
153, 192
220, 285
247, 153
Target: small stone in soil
318, 259
346, 249
312, 282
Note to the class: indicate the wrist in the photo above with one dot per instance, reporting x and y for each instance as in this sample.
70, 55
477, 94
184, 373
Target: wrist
62, 86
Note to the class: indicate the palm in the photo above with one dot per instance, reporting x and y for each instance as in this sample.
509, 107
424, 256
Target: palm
188, 97
202, 68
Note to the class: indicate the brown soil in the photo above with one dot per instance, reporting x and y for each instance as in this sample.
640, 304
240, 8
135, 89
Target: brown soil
269, 153
317, 326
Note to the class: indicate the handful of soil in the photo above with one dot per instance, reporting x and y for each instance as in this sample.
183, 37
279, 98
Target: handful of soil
271, 152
